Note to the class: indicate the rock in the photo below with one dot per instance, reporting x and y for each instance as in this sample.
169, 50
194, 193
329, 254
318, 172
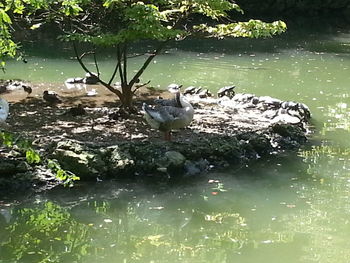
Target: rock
191, 169
120, 161
11, 167
175, 158
78, 163
286, 118
287, 136
80, 160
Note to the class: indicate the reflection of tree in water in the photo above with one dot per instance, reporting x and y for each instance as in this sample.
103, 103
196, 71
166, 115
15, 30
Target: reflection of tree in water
176, 226
115, 231
44, 234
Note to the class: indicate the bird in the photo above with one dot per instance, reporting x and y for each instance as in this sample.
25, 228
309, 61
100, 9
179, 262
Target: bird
27, 89
174, 102
4, 110
190, 90
167, 118
76, 111
226, 91
51, 97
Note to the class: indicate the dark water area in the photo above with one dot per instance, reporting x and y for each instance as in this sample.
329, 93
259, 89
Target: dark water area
294, 207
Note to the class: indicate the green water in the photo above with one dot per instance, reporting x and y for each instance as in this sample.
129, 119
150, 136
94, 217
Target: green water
291, 208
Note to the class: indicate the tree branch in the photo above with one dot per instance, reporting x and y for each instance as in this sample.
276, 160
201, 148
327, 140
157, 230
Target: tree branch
114, 73
120, 66
79, 58
108, 86
146, 63
124, 64
140, 86
96, 65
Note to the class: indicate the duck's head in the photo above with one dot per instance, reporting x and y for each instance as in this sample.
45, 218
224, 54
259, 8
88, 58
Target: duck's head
174, 88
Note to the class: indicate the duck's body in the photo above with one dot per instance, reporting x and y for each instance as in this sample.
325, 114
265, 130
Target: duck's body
176, 114
27, 89
51, 97
4, 110
174, 102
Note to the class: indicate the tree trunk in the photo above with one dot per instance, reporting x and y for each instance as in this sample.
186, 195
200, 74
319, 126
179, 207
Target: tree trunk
127, 99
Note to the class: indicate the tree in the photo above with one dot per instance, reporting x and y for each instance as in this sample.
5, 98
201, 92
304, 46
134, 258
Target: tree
120, 23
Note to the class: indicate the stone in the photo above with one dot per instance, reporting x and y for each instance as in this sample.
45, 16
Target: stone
119, 159
79, 159
175, 158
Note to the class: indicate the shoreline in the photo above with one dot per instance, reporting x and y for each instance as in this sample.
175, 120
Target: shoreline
96, 146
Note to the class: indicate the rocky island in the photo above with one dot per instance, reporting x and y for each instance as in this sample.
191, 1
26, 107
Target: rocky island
102, 144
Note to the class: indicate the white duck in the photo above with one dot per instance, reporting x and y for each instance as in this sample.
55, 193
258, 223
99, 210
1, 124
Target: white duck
171, 115
4, 110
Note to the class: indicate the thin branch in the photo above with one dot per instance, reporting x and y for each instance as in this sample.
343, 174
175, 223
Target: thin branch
79, 58
120, 66
114, 73
140, 86
108, 86
124, 64
96, 65
137, 55
147, 62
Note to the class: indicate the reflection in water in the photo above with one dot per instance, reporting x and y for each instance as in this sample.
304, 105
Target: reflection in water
284, 207
293, 207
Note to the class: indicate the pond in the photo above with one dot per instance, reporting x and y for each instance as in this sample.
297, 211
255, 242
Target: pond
295, 206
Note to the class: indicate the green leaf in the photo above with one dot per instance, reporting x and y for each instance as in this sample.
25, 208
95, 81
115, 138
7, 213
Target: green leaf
4, 17
32, 156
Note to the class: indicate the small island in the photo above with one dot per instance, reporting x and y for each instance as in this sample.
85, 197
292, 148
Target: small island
102, 143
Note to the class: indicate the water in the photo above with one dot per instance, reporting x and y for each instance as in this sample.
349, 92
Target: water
295, 206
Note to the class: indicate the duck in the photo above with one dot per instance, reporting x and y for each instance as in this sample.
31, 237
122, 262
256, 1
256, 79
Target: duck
174, 102
226, 91
166, 118
51, 97
27, 89
76, 111
4, 110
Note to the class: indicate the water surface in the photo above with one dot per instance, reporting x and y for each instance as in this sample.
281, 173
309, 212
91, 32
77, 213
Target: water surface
294, 207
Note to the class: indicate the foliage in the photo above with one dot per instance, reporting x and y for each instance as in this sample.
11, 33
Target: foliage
67, 177
22, 145
33, 157
44, 234
119, 23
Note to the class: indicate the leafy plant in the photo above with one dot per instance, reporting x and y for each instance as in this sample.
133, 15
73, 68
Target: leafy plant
120, 23
33, 157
